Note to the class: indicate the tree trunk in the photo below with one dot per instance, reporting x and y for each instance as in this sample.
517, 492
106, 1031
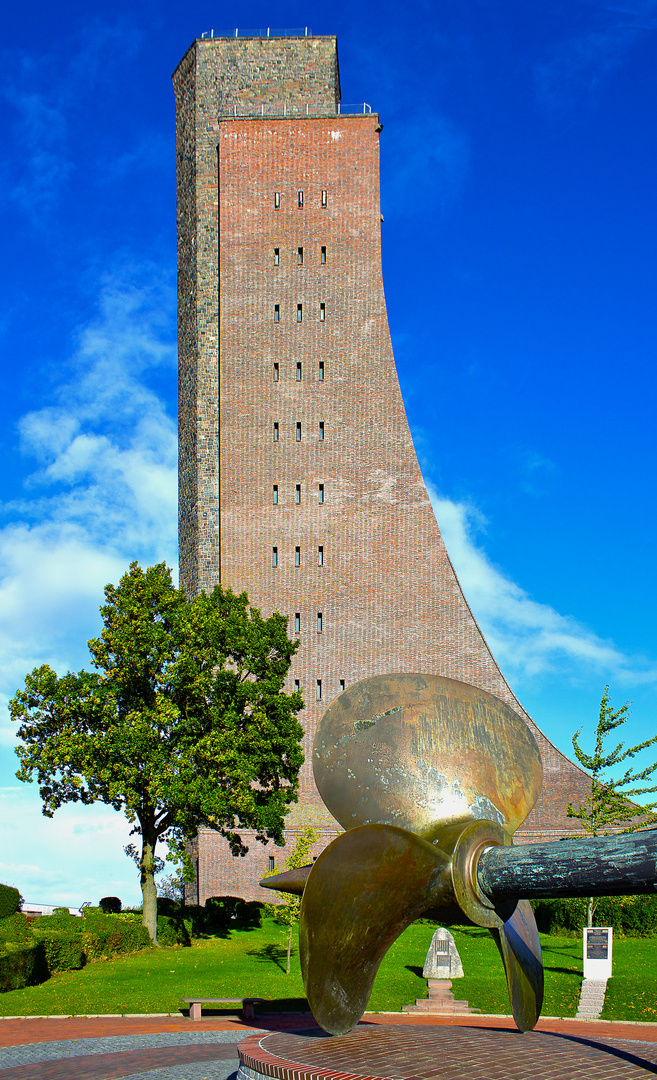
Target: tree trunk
148, 889
590, 910
289, 948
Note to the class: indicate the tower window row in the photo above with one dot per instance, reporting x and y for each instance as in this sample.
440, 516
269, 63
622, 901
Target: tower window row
299, 199
297, 431
297, 622
300, 256
298, 371
297, 555
318, 691
277, 313
297, 493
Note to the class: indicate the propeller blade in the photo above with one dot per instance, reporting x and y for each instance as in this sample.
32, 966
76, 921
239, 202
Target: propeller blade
423, 751
362, 892
520, 948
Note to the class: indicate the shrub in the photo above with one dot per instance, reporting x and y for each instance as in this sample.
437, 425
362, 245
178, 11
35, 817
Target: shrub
63, 951
172, 931
110, 905
232, 913
167, 906
109, 935
23, 966
10, 901
15, 929
632, 915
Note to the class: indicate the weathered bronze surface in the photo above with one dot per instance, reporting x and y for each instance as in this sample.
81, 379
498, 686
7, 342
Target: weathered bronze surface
430, 778
365, 888
421, 752
591, 866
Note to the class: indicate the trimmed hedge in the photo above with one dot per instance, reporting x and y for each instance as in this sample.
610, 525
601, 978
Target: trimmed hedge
63, 951
15, 929
171, 930
110, 905
634, 916
231, 912
111, 935
10, 901
23, 966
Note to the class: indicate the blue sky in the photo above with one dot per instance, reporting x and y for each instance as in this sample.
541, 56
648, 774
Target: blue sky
518, 190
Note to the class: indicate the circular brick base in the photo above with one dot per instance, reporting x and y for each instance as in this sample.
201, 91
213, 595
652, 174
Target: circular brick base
399, 1052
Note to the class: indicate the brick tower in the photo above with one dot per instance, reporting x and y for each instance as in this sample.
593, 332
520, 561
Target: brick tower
298, 478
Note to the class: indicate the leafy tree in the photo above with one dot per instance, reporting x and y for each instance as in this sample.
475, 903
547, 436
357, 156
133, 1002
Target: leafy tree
288, 910
184, 723
172, 887
608, 806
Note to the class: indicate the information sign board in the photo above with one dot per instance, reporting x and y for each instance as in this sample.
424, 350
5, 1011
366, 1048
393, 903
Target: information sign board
597, 948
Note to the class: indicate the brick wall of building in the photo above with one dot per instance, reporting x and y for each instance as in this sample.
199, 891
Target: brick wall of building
298, 478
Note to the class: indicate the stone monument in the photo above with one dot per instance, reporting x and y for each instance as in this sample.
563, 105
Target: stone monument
442, 964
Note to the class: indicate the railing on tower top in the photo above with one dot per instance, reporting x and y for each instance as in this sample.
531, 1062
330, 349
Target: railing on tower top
297, 31
286, 109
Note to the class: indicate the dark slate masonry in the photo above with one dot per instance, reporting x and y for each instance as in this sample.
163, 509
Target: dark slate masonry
282, 321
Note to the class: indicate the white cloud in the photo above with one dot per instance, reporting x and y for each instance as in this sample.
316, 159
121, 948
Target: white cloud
104, 489
75, 856
526, 637
101, 491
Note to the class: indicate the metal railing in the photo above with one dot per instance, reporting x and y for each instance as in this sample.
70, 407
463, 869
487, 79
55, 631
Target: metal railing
353, 110
267, 32
287, 109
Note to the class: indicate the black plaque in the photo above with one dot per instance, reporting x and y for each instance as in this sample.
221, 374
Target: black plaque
597, 944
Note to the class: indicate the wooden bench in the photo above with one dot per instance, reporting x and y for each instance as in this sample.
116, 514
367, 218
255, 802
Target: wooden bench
246, 1005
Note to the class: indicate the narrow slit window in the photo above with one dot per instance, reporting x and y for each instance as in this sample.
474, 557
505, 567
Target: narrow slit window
321, 431
297, 622
298, 371
299, 312
277, 312
320, 555
275, 494
320, 622
298, 431
300, 199
277, 200
319, 689
274, 556
322, 312
300, 256
277, 373
324, 199
297, 493
341, 685
321, 370
276, 431
321, 493
271, 862
323, 255
277, 256
297, 686
297, 556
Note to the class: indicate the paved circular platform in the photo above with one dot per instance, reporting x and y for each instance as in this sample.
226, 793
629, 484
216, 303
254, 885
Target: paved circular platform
400, 1052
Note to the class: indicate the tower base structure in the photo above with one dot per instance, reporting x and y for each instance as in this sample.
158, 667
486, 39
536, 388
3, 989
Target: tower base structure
298, 480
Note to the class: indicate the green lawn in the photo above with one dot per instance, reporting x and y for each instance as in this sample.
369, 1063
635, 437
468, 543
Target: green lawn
252, 964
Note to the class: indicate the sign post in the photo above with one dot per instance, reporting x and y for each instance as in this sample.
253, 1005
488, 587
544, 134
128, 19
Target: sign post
597, 952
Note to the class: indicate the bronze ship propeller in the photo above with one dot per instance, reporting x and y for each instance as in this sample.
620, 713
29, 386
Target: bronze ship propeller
430, 778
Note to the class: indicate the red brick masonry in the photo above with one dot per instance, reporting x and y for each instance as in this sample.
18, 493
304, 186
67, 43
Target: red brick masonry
448, 1053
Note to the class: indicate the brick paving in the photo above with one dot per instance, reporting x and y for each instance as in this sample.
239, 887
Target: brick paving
388, 1046
446, 1053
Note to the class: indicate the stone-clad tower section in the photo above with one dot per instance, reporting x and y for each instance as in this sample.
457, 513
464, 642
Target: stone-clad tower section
299, 482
